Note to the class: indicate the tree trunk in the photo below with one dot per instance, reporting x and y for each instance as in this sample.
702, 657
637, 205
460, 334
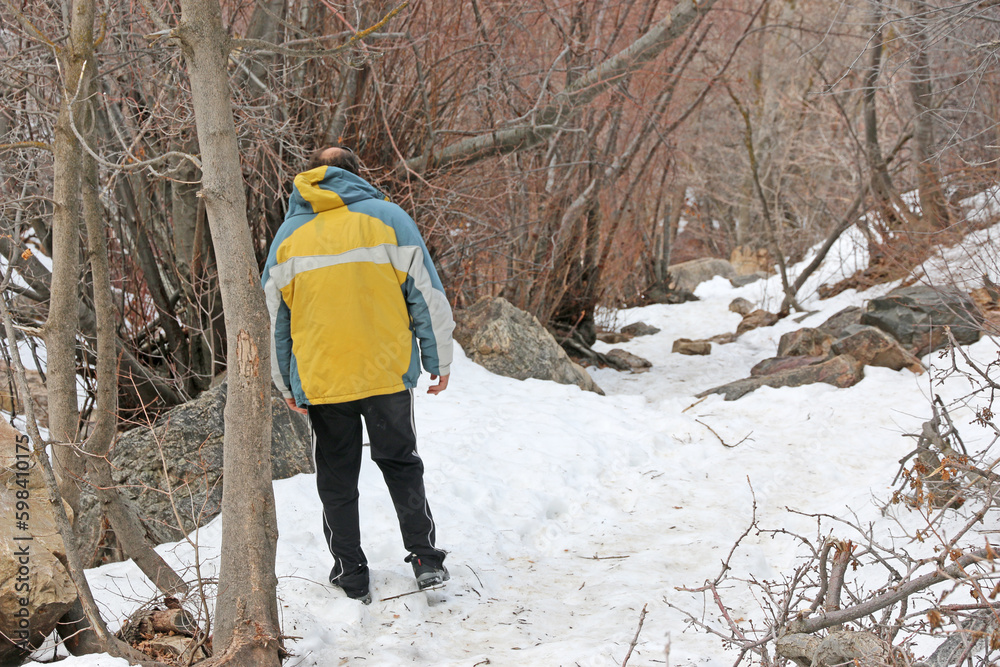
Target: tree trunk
246, 616
933, 204
188, 246
63, 321
888, 203
127, 526
880, 180
670, 223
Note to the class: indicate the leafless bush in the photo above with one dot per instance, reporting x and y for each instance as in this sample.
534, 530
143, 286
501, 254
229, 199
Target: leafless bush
923, 593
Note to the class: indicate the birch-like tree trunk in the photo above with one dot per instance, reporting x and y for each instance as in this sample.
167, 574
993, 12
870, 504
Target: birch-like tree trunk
246, 615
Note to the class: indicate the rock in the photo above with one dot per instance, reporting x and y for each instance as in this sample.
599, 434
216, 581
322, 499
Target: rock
987, 298
977, 630
755, 320
36, 386
636, 363
748, 279
51, 591
723, 338
874, 347
841, 320
190, 437
805, 342
916, 317
639, 329
613, 337
852, 329
741, 306
688, 275
841, 371
660, 294
778, 364
749, 261
510, 342
692, 347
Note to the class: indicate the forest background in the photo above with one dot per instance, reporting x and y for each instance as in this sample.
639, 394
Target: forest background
559, 154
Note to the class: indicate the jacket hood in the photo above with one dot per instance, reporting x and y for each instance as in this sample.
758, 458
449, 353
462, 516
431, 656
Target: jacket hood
326, 188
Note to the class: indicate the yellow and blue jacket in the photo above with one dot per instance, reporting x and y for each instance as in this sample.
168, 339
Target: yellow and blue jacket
351, 290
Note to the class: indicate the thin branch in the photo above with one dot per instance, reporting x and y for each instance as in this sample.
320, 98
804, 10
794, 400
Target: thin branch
131, 166
260, 45
635, 640
18, 145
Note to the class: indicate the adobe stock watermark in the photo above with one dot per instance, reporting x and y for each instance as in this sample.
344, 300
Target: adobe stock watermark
22, 541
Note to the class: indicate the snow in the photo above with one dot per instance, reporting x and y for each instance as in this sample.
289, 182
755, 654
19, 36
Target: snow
566, 513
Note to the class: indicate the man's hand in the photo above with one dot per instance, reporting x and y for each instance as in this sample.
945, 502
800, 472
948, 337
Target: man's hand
291, 404
440, 386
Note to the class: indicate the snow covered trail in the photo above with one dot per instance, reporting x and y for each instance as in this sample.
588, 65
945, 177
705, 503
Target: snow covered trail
566, 512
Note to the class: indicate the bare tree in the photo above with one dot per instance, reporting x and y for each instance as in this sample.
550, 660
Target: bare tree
62, 324
247, 629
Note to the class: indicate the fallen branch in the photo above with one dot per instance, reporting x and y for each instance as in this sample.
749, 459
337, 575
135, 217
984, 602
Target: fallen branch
890, 597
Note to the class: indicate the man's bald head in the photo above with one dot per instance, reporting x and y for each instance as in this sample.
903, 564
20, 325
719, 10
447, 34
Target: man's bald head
335, 156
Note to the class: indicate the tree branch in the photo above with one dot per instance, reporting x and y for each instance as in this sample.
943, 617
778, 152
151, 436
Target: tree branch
581, 92
890, 597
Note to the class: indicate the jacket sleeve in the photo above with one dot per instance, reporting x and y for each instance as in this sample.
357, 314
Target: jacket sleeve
428, 306
281, 333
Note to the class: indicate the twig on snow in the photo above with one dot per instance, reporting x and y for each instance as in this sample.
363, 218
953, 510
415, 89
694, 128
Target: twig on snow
403, 595
724, 443
635, 640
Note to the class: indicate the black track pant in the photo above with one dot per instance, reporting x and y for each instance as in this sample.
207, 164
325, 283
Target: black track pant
337, 449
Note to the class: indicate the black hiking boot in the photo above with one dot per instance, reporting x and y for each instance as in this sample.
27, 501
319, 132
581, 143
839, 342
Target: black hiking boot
354, 584
428, 570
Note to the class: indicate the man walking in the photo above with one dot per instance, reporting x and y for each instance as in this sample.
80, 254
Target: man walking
356, 307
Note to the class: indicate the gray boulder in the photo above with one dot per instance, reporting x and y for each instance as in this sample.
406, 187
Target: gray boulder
634, 362
189, 438
613, 337
510, 342
663, 294
841, 320
639, 329
748, 279
688, 275
917, 317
